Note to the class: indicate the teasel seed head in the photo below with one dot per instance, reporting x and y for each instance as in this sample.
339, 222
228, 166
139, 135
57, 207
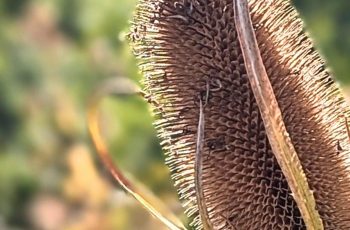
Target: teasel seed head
190, 56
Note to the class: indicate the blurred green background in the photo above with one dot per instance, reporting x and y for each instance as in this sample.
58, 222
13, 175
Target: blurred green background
53, 55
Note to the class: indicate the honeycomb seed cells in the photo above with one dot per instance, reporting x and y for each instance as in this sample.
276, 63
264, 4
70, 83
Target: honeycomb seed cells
190, 47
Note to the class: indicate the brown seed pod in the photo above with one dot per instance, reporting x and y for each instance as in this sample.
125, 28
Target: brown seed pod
194, 71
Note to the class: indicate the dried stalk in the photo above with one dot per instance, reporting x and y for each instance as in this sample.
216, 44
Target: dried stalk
280, 141
152, 204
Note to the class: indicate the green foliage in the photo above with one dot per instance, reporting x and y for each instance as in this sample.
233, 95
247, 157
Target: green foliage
329, 23
17, 186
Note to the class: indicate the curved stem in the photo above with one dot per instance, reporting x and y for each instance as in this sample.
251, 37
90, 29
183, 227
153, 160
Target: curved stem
280, 141
142, 195
198, 171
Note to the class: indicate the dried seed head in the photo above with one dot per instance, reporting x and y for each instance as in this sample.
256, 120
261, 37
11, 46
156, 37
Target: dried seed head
189, 52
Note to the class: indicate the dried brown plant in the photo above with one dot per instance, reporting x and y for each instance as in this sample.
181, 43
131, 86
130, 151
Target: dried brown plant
211, 121
255, 129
